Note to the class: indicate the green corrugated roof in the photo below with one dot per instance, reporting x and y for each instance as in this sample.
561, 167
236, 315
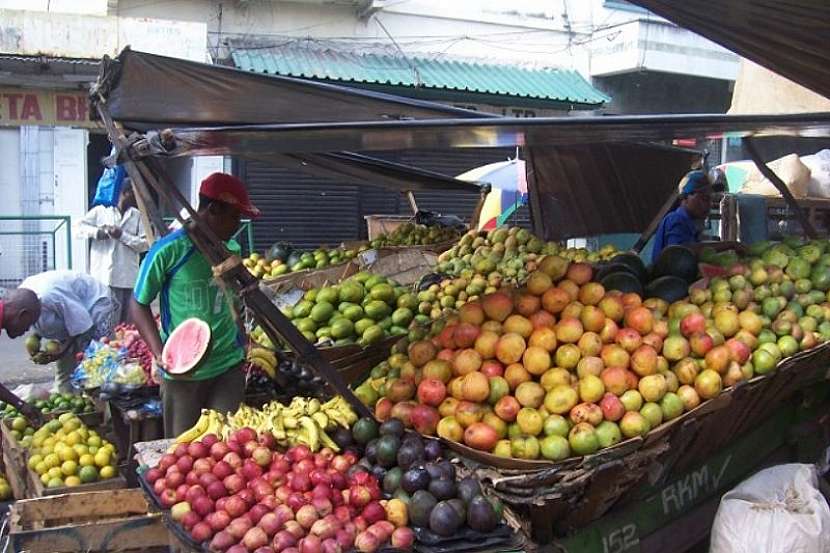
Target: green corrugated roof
555, 85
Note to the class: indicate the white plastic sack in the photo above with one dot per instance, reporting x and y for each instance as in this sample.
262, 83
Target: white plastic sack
819, 165
778, 510
789, 169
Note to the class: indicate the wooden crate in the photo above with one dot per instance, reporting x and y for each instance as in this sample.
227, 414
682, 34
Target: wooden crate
36, 488
14, 461
384, 224
94, 521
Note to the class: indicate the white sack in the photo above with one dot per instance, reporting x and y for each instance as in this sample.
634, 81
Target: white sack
778, 510
789, 169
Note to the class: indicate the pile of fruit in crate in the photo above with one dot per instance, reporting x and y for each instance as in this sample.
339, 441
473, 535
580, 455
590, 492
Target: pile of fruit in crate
306, 421
362, 309
123, 362
64, 452
507, 256
564, 367
419, 482
411, 234
52, 404
240, 494
41, 351
281, 259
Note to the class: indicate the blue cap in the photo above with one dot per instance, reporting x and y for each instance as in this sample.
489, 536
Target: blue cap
693, 182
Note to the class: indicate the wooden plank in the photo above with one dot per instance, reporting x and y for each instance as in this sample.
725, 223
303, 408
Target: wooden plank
37, 489
125, 534
98, 504
16, 476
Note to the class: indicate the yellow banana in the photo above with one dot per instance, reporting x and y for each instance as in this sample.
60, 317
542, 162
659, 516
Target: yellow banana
328, 442
311, 431
321, 419
196, 430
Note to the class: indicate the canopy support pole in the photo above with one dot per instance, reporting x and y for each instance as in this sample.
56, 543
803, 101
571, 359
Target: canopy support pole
770, 175
652, 226
228, 269
412, 203
482, 196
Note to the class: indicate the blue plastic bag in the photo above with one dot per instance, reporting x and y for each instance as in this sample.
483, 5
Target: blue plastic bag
109, 186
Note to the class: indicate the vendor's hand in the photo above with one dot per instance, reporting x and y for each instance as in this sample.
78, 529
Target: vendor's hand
114, 232
43, 358
102, 234
157, 371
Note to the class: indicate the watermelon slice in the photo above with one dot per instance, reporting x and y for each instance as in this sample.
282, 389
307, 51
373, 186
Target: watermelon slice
186, 346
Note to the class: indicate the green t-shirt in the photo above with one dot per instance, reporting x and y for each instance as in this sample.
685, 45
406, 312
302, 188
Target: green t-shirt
176, 270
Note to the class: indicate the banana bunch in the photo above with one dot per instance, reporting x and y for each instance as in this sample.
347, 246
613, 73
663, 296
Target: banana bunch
210, 422
303, 421
265, 359
307, 421
258, 335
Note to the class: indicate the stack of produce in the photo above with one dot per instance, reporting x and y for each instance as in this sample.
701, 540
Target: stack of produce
123, 362
264, 360
305, 421
241, 495
65, 452
54, 403
362, 309
281, 259
411, 234
507, 255
563, 367
297, 379
19, 428
419, 483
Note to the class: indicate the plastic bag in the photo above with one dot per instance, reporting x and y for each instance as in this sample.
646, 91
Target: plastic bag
109, 186
819, 165
789, 169
778, 510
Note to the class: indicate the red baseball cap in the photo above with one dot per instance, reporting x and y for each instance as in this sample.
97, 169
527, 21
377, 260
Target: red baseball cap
230, 190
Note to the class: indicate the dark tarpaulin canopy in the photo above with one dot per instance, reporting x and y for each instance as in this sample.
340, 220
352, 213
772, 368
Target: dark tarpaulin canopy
789, 37
149, 91
591, 175
590, 189
370, 170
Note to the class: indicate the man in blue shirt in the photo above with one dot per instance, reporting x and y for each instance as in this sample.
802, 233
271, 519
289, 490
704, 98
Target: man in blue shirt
681, 226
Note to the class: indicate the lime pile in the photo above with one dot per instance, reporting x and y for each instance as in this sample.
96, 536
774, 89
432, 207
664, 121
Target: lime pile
65, 452
21, 430
362, 309
63, 403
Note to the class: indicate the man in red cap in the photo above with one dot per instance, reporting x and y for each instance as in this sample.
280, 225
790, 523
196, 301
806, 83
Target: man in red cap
178, 274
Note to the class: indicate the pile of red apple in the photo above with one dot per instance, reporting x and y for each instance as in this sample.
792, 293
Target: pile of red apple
241, 495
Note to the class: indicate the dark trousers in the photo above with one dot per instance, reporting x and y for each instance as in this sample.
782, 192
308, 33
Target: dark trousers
183, 400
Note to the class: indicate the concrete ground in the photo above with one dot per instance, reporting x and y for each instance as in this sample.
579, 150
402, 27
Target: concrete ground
16, 368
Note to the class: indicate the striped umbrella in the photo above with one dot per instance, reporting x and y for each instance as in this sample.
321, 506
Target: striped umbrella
508, 182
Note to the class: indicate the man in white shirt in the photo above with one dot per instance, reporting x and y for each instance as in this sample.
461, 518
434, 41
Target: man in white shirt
74, 309
118, 240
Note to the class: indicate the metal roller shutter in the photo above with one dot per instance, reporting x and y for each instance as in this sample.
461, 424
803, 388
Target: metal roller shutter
306, 211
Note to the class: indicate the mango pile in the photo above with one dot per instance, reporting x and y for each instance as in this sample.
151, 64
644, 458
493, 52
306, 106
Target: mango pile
563, 366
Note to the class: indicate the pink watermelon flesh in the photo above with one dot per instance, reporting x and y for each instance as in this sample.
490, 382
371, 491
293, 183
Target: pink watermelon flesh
186, 346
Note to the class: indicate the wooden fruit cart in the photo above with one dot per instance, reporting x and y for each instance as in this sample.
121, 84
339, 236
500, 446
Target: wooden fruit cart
575, 497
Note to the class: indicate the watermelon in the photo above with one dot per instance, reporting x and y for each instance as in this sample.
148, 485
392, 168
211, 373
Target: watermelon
186, 346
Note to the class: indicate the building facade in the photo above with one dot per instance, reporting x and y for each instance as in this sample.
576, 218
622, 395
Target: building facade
526, 58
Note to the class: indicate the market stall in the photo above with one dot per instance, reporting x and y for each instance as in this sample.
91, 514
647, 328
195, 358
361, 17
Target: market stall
577, 472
